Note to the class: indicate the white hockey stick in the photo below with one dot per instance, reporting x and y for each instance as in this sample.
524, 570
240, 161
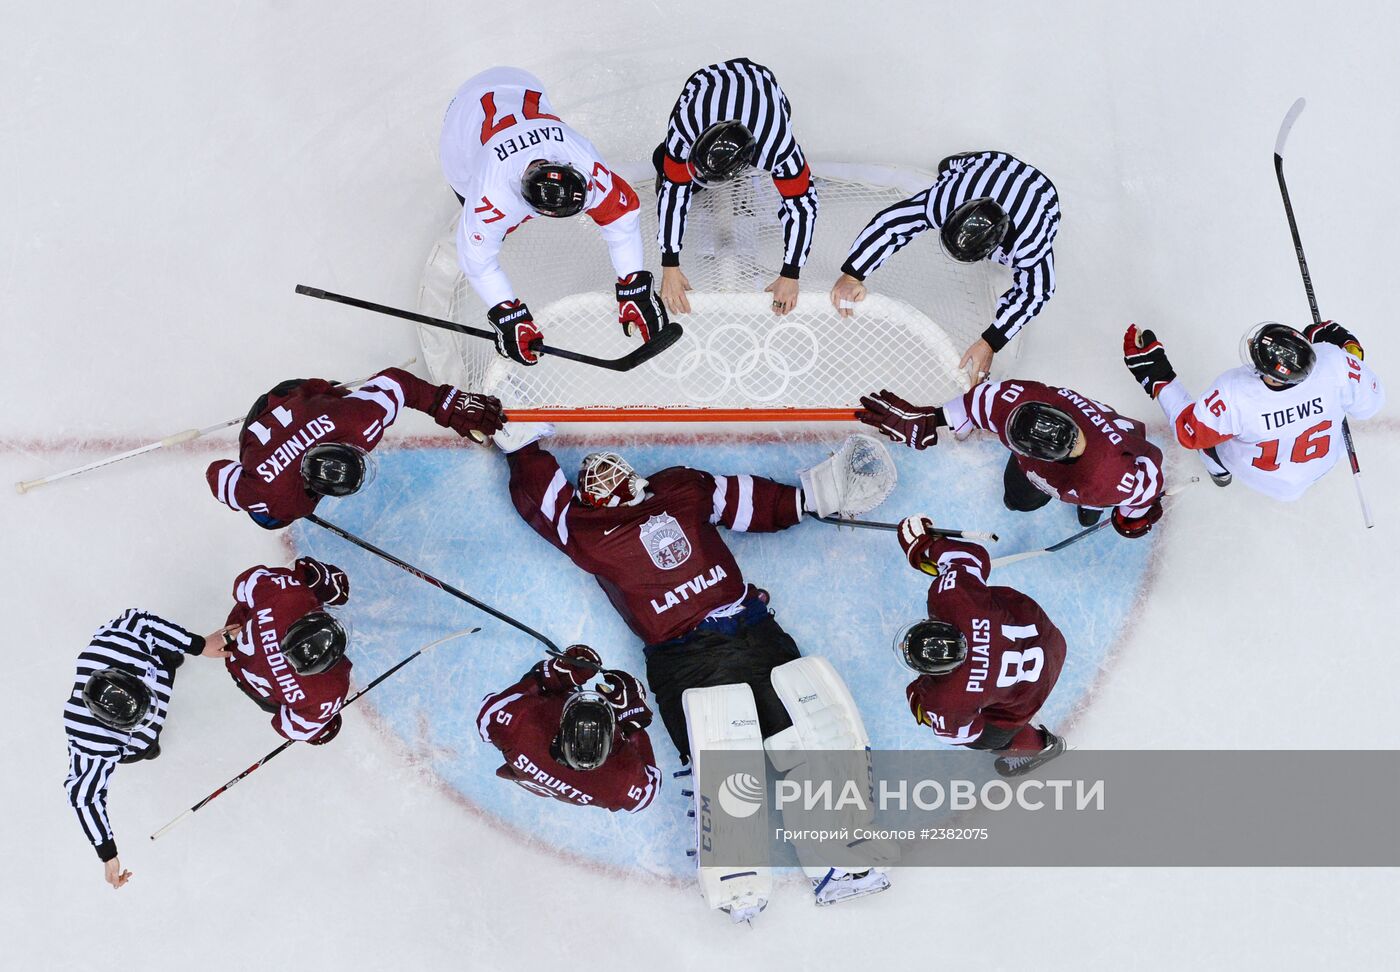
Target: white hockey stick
189, 435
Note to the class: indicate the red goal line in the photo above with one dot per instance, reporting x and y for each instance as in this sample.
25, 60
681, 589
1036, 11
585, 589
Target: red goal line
645, 413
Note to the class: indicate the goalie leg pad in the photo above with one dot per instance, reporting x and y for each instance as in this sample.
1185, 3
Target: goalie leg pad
724, 718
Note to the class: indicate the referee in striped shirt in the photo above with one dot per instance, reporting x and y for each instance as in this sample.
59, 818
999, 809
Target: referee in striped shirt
731, 116
114, 714
985, 206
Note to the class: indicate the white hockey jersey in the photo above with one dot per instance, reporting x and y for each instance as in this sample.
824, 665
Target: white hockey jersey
1277, 441
499, 122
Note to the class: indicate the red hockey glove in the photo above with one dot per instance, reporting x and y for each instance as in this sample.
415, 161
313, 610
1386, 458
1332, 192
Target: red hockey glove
639, 307
915, 539
515, 330
628, 698
1147, 360
1136, 526
327, 582
477, 417
327, 733
562, 675
1330, 332
914, 425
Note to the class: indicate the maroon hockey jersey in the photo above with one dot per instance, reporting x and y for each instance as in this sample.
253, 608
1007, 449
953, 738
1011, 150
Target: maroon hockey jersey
662, 563
270, 600
1014, 657
1119, 467
522, 722
266, 479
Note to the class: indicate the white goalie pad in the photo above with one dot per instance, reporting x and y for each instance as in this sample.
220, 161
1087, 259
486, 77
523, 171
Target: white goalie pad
853, 480
824, 714
724, 718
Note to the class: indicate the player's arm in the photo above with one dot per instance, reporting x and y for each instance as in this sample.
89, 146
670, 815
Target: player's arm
958, 565
394, 389
1032, 285
1142, 506
673, 194
752, 504
480, 234
316, 718
160, 632
889, 231
327, 582
640, 776
958, 728
541, 493
797, 209
988, 405
1201, 424
86, 785
231, 486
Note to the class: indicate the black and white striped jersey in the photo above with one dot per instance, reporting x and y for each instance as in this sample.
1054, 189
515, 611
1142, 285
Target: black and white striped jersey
737, 90
1031, 203
147, 646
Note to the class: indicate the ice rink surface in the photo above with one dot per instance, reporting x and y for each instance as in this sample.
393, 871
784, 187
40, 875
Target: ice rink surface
169, 174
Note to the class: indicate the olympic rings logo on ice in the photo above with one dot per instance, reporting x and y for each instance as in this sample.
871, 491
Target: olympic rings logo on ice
761, 368
741, 795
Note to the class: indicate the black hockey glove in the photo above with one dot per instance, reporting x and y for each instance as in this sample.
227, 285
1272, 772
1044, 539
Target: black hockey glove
1147, 360
639, 307
1330, 332
515, 331
914, 425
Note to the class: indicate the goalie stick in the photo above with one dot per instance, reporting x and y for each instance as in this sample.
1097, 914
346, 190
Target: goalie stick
664, 338
1283, 131
282, 748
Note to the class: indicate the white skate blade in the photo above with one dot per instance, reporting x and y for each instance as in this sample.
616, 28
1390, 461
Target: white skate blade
841, 889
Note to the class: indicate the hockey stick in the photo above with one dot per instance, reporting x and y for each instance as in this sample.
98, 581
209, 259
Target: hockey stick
189, 435
1283, 131
270, 756
664, 338
1074, 538
550, 646
841, 521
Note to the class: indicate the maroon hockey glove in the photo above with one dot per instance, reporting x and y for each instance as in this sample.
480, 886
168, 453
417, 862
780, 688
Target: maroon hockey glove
1330, 332
477, 417
639, 307
326, 581
914, 425
1147, 360
327, 733
515, 330
1137, 526
628, 698
915, 539
562, 675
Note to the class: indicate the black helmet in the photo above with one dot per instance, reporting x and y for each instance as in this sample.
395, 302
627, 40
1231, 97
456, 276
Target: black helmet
1040, 431
554, 189
1278, 352
721, 152
334, 469
931, 647
117, 698
314, 643
973, 230
586, 731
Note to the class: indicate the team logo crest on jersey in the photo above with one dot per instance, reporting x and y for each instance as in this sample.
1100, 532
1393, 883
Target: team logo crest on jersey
666, 543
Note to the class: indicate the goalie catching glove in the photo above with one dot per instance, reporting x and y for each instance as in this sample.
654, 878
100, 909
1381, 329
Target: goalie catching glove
639, 307
853, 480
1147, 360
515, 331
913, 425
476, 417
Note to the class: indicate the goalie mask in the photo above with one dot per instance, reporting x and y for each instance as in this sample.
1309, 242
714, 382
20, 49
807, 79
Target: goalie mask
554, 189
722, 151
931, 647
586, 731
1278, 353
606, 479
336, 469
117, 698
1040, 431
314, 643
973, 230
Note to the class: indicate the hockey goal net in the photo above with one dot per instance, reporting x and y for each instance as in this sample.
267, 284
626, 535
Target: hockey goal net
737, 361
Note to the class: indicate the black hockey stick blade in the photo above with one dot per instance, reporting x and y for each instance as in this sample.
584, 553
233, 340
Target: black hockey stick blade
842, 521
666, 337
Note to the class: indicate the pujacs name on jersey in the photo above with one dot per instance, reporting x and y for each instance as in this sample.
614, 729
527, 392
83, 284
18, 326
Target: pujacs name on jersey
1090, 410
303, 439
683, 591
508, 147
276, 661
981, 646
1287, 416
540, 779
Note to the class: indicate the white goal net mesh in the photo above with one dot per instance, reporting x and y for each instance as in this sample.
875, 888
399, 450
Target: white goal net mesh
922, 311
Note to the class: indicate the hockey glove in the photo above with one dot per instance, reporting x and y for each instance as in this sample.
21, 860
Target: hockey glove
579, 664
326, 581
1136, 526
639, 307
515, 331
1330, 332
916, 539
327, 733
477, 417
628, 698
914, 425
1147, 360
